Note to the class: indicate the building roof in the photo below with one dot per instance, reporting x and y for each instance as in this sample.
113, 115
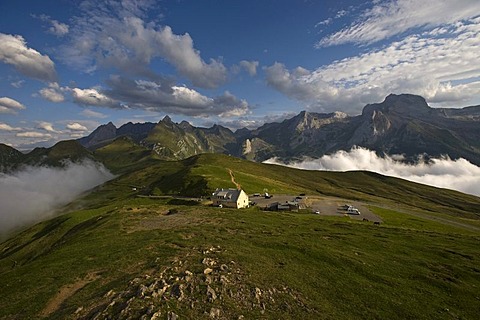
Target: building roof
228, 194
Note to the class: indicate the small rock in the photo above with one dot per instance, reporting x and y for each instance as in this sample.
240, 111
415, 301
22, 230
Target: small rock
142, 291
209, 261
79, 309
109, 293
211, 293
156, 315
215, 313
172, 316
258, 294
208, 271
241, 317
224, 280
208, 279
224, 267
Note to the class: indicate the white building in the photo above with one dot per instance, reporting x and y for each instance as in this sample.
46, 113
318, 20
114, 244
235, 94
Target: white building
231, 198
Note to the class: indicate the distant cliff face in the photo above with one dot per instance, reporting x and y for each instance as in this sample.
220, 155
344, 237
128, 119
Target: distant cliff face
401, 124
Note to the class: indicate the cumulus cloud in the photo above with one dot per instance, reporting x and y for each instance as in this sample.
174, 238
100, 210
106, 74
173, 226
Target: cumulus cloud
93, 97
33, 194
460, 174
163, 96
8, 105
53, 93
441, 68
7, 127
27, 61
75, 126
56, 28
33, 134
375, 23
47, 126
115, 34
249, 66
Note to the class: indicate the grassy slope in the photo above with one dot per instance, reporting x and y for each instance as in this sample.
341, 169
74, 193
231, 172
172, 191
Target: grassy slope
319, 267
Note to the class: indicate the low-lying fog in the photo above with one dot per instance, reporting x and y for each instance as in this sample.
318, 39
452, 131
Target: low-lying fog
33, 194
460, 175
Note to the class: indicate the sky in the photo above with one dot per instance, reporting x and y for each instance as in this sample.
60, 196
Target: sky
67, 66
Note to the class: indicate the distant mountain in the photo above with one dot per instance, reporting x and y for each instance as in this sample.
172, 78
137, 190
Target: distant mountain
8, 157
57, 156
401, 124
169, 140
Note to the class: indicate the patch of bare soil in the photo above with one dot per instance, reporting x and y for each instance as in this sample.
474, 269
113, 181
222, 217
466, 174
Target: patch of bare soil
66, 292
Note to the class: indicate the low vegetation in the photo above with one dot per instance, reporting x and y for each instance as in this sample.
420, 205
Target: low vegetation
135, 248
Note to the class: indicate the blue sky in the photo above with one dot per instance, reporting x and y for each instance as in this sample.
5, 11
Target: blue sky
68, 66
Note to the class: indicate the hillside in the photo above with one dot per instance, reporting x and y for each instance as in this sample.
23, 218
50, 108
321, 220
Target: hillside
134, 247
8, 157
56, 156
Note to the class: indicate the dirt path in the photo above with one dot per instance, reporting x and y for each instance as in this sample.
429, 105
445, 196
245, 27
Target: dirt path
66, 292
233, 179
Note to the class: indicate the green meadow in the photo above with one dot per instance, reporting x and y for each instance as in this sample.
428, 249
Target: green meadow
134, 248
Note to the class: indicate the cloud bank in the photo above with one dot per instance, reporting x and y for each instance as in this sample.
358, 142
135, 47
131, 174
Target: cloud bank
33, 194
429, 51
375, 24
460, 174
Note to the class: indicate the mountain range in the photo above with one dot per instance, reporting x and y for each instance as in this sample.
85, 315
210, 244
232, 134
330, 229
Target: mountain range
402, 124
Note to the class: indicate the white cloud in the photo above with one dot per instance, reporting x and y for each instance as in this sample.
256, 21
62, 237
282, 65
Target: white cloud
56, 28
33, 134
75, 126
7, 127
179, 51
92, 97
441, 67
162, 96
43, 190
18, 84
27, 61
113, 34
47, 126
249, 66
8, 105
92, 114
460, 174
53, 93
388, 18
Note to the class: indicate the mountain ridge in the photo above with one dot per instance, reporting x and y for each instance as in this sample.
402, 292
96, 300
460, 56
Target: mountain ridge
401, 124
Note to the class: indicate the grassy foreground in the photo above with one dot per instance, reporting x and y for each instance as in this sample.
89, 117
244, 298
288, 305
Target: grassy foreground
122, 257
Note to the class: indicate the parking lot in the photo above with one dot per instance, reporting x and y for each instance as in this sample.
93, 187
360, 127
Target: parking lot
326, 206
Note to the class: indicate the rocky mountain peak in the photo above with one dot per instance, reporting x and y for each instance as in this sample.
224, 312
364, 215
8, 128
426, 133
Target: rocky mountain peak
311, 120
404, 104
167, 119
